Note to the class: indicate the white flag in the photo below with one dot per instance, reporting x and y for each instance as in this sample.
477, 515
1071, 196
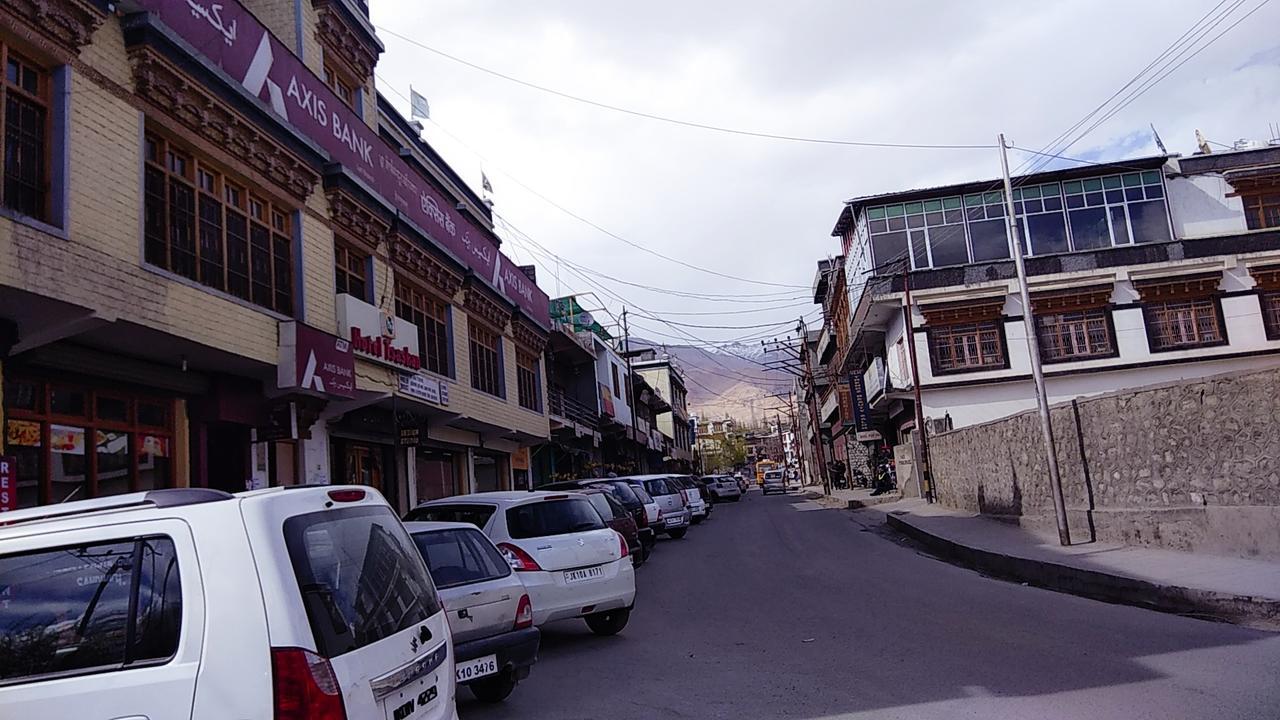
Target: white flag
484, 183
418, 107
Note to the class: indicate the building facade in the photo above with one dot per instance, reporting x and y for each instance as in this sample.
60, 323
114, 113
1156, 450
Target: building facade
667, 381
226, 261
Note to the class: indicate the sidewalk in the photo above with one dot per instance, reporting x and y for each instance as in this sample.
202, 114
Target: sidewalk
1224, 588
854, 499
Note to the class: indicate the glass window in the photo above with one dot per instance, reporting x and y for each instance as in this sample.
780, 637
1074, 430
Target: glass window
947, 245
361, 577
431, 318
990, 240
1271, 314
351, 269
1089, 229
1048, 233
486, 360
24, 93
1074, 335
1119, 225
527, 380
477, 515
67, 611
71, 402
553, 517
919, 249
1150, 222
1262, 210
1184, 324
460, 557
972, 346
887, 249
600, 502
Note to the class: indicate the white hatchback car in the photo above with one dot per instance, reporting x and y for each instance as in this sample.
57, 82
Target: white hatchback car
572, 564
285, 603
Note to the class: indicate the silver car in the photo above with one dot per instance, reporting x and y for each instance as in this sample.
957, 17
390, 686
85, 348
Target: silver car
670, 497
774, 481
489, 612
723, 487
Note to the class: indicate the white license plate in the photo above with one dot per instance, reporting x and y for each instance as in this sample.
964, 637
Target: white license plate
413, 700
472, 669
675, 521
591, 573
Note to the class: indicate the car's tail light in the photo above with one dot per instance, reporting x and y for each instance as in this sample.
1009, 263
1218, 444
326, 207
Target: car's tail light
304, 686
519, 560
524, 613
622, 542
350, 495
642, 517
659, 514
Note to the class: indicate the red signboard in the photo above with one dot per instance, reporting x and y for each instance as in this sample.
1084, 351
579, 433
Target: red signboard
316, 361
8, 483
233, 39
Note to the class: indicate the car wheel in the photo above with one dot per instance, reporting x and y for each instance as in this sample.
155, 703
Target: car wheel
494, 689
608, 623
639, 556
697, 520
677, 534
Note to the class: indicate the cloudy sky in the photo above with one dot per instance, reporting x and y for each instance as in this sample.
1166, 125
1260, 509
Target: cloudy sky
762, 209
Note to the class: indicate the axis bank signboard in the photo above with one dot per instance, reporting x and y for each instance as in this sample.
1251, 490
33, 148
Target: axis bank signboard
233, 39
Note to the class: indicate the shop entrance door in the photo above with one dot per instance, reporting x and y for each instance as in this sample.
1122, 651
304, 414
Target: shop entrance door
486, 468
364, 466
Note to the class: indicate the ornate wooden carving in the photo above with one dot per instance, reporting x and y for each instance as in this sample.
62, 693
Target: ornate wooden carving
529, 336
354, 218
183, 99
350, 45
480, 305
421, 265
68, 23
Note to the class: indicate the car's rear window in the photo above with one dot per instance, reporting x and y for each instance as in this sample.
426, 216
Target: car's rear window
621, 491
660, 487
361, 577
553, 517
460, 557
600, 502
88, 608
477, 515
644, 497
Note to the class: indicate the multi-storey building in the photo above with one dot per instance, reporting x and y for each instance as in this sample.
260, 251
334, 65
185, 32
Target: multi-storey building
667, 380
226, 261
1141, 271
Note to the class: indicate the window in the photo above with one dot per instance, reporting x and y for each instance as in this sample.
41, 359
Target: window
351, 272
527, 380
341, 86
73, 442
89, 608
1262, 210
552, 517
1075, 335
1116, 210
361, 577
486, 360
617, 386
203, 226
25, 94
1271, 314
460, 557
431, 316
1181, 324
972, 346
477, 515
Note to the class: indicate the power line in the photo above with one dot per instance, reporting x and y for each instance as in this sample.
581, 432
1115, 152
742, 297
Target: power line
685, 123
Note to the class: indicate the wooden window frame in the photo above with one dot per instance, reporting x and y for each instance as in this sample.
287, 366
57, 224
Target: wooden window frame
527, 382
430, 315
1269, 304
1212, 304
486, 359
1256, 218
935, 335
265, 228
43, 99
91, 424
340, 82
1101, 314
346, 258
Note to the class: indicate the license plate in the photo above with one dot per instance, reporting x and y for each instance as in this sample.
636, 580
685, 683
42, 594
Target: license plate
575, 576
472, 669
414, 700
675, 521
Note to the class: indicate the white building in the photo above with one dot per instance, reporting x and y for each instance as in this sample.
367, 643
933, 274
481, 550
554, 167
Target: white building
1140, 272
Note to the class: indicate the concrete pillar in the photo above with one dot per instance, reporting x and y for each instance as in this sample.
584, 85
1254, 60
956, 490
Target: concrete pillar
313, 467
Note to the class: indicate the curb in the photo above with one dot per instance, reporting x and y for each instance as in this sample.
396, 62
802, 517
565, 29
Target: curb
873, 501
1117, 589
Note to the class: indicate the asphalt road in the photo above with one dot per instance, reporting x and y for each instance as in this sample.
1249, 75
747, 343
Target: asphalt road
777, 608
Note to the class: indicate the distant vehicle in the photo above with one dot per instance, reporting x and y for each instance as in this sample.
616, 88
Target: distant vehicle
653, 515
617, 517
294, 602
763, 467
775, 481
723, 487
743, 484
571, 563
490, 614
793, 479
622, 491
698, 508
670, 496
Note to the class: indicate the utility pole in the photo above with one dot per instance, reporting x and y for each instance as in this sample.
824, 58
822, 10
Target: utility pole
631, 389
1033, 348
924, 480
813, 406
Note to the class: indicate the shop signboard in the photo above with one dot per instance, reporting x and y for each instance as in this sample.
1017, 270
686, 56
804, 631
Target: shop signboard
235, 42
378, 335
520, 459
8, 483
860, 410
423, 387
315, 361
409, 435
281, 423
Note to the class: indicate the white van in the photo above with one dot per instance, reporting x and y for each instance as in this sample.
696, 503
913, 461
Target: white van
302, 602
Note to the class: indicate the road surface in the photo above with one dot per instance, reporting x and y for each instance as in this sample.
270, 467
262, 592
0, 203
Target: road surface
779, 608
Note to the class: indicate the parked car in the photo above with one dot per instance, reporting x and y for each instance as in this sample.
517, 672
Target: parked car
622, 492
693, 498
653, 515
671, 498
774, 481
617, 517
723, 487
198, 604
742, 483
571, 563
490, 614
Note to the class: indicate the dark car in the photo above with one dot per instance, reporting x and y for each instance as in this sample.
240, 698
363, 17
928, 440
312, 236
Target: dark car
617, 517
621, 491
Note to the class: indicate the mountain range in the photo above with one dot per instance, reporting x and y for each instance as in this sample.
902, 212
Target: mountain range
728, 380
